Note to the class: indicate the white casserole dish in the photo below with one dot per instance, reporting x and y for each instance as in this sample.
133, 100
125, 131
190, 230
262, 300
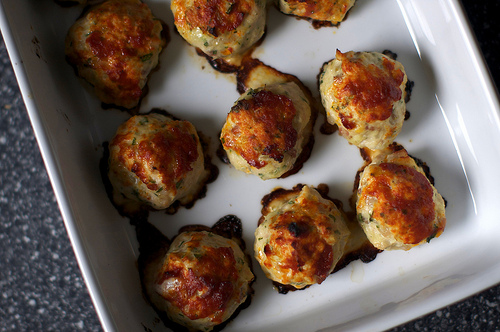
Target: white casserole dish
454, 127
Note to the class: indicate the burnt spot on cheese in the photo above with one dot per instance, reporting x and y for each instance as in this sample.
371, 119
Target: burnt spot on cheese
263, 126
299, 244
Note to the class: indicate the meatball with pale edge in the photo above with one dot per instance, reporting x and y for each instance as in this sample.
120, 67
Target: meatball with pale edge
201, 281
301, 238
155, 160
115, 46
396, 204
267, 129
364, 95
221, 29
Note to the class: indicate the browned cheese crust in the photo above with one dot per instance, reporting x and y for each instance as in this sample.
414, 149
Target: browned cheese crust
264, 126
202, 280
364, 94
267, 129
156, 160
318, 10
397, 206
301, 238
219, 28
114, 46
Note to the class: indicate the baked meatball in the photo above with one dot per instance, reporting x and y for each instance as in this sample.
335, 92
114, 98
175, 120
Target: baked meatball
322, 10
114, 46
156, 160
266, 130
222, 29
364, 94
301, 238
201, 281
396, 204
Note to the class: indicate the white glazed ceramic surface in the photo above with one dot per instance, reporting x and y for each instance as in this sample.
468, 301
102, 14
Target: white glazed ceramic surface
454, 127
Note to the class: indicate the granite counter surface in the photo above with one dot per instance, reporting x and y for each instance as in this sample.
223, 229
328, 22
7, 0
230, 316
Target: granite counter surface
41, 287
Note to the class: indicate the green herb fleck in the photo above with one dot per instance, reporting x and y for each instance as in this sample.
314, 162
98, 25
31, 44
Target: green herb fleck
146, 57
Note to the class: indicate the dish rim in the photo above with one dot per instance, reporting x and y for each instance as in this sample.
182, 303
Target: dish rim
447, 297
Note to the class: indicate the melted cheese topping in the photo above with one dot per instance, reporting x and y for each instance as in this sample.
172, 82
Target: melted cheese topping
266, 130
397, 206
319, 10
202, 280
301, 239
156, 160
221, 29
363, 93
114, 46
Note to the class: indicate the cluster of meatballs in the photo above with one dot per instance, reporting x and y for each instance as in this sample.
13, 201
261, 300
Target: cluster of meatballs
155, 160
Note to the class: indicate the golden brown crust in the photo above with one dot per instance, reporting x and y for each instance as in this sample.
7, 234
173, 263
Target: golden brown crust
212, 275
219, 29
397, 205
170, 152
318, 10
367, 88
300, 238
213, 16
202, 280
155, 160
404, 201
364, 95
263, 125
297, 243
114, 46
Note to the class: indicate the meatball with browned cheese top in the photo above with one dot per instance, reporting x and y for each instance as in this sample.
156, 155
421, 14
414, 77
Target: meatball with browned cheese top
364, 95
156, 161
114, 46
397, 206
222, 29
266, 129
301, 238
201, 281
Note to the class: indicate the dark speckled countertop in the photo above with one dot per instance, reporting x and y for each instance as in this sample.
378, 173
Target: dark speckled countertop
41, 287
